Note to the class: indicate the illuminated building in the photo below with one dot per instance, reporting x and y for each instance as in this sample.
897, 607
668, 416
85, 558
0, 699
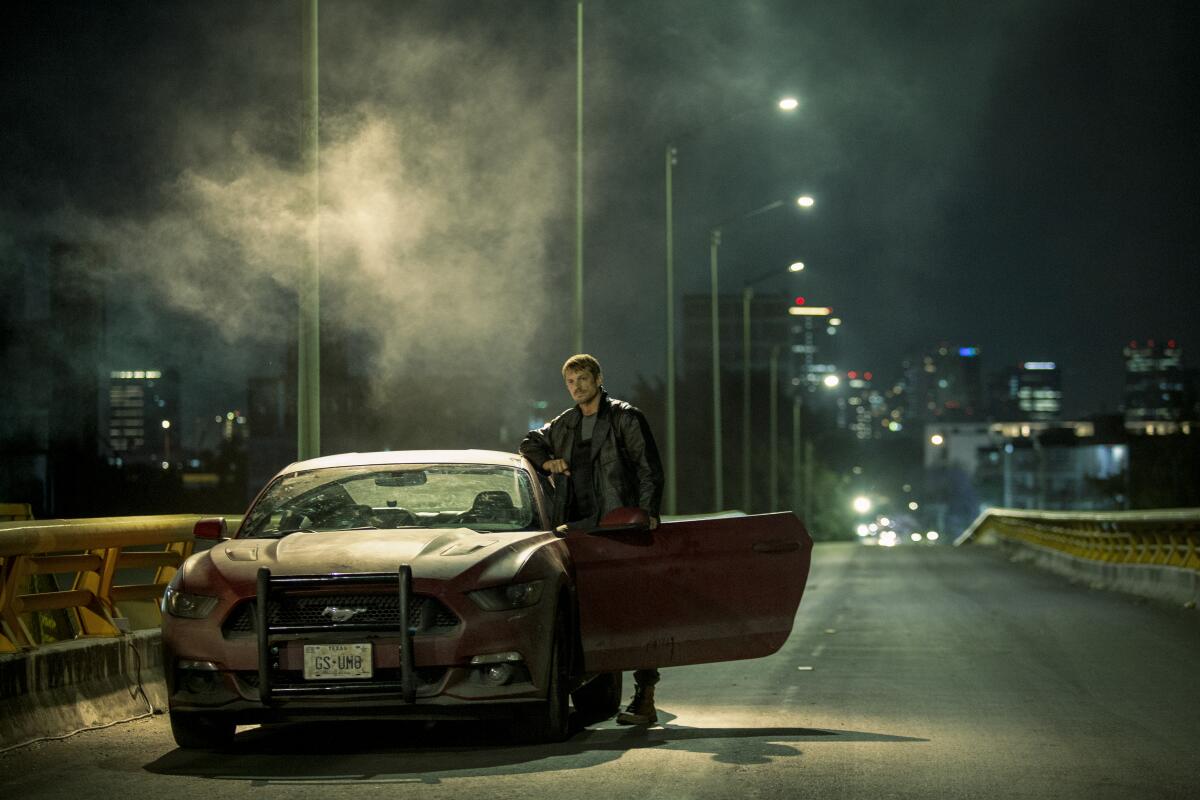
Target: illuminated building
945, 385
1053, 468
1029, 392
870, 412
143, 417
806, 343
1160, 395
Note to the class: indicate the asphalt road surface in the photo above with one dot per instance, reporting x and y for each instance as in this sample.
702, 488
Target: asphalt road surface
928, 672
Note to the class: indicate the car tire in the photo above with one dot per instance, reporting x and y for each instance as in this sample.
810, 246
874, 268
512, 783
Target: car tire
599, 698
549, 723
197, 731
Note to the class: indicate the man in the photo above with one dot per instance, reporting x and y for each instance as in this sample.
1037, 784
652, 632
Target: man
602, 456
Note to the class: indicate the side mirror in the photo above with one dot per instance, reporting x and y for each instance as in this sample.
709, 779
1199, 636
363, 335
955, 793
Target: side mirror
625, 519
210, 528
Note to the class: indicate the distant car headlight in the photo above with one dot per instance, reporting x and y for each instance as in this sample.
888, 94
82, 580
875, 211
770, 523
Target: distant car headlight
502, 598
191, 606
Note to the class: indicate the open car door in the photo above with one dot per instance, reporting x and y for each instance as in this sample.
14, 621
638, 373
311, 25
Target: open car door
689, 592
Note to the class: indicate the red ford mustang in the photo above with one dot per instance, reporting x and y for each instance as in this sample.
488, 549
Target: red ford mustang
430, 585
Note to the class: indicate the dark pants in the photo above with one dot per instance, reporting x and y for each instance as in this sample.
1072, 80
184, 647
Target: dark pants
645, 677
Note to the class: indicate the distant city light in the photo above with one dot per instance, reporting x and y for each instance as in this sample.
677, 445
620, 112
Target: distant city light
863, 530
830, 381
895, 427
937, 440
916, 537
166, 423
800, 300
968, 352
932, 536
1040, 365
789, 104
913, 505
810, 311
135, 374
835, 321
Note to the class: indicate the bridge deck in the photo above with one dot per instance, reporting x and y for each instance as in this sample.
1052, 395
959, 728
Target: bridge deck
912, 672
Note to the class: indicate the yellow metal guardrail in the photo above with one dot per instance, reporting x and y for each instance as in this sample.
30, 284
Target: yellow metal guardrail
1167, 538
11, 511
93, 551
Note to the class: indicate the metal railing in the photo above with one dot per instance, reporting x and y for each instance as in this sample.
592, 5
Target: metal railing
96, 553
1167, 538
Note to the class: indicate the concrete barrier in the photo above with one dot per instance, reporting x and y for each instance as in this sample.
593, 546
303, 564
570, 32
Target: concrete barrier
1153, 554
64, 687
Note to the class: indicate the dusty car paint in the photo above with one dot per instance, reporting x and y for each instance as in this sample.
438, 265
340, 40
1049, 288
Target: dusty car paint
685, 593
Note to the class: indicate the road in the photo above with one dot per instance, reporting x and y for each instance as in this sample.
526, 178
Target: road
922, 672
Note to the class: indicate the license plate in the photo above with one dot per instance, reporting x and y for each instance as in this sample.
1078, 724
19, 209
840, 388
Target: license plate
338, 661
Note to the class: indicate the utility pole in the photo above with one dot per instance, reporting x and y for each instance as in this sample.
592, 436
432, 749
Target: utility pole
308, 362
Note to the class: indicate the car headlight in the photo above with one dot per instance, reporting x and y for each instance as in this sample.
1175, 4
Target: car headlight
502, 598
191, 606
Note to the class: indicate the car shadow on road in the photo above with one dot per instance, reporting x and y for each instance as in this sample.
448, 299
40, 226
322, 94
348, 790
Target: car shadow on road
383, 752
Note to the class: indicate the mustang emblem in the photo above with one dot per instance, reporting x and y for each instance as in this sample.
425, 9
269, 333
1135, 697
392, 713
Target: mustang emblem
338, 614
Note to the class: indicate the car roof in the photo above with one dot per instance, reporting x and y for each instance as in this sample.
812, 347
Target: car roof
491, 457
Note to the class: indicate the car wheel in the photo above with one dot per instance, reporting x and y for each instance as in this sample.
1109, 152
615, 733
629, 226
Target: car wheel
599, 698
549, 722
201, 731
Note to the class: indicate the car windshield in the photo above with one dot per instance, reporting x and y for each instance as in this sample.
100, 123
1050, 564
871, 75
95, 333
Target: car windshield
479, 496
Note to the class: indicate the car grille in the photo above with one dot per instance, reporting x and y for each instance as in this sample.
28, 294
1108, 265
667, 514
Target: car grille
298, 613
425, 676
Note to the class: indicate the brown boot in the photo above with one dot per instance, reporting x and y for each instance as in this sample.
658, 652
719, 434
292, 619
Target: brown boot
641, 708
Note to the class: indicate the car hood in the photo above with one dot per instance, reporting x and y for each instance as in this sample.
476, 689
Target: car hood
432, 553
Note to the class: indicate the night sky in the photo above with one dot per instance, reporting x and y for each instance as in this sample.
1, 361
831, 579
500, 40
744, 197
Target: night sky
1017, 176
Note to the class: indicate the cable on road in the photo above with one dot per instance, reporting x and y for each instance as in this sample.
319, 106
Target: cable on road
137, 689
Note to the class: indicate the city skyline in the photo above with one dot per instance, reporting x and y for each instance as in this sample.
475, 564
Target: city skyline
1015, 177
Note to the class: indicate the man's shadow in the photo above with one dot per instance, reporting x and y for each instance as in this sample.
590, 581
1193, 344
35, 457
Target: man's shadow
389, 751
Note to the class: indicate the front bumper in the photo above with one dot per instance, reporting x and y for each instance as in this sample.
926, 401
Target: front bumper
415, 675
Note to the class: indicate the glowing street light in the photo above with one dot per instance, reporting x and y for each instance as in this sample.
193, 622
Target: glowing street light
862, 504
796, 266
937, 440
831, 381
789, 104
805, 201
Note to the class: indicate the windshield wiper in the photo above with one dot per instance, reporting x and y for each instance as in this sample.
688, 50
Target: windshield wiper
279, 534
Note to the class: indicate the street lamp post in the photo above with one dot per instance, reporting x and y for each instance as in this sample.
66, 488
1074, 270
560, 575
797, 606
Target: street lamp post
672, 496
308, 347
773, 433
578, 332
786, 104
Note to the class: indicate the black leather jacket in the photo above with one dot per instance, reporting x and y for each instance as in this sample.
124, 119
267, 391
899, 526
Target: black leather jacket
626, 469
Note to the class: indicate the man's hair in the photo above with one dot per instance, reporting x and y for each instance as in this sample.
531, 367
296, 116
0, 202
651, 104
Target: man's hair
582, 363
